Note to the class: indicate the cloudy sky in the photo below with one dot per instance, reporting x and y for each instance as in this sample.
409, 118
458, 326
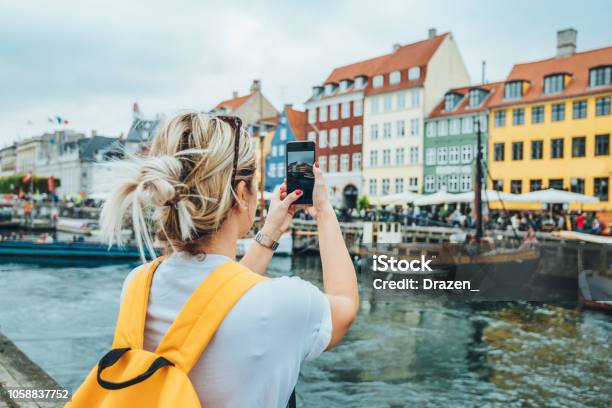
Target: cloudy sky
90, 62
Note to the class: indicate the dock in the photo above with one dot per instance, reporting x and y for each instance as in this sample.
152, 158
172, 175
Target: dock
18, 371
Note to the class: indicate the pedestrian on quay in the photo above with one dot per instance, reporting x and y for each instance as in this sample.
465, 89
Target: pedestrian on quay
198, 187
580, 222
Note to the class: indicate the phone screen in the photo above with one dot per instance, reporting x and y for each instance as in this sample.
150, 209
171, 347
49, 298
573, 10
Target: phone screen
300, 159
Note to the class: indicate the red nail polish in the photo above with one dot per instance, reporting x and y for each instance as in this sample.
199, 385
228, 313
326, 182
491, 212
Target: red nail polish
298, 192
316, 164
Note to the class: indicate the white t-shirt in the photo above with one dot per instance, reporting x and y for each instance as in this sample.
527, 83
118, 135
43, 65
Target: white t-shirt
254, 358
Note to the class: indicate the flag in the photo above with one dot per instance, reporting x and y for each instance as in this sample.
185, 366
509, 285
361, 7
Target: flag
65, 121
59, 120
51, 184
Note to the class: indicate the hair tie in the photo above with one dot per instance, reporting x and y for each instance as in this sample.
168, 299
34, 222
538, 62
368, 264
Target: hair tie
173, 201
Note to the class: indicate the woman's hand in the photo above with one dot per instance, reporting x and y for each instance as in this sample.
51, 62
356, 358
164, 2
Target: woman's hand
320, 200
280, 212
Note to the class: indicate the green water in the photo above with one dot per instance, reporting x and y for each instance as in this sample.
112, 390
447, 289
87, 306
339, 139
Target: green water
404, 353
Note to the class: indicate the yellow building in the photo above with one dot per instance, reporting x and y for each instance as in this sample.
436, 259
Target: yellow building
551, 126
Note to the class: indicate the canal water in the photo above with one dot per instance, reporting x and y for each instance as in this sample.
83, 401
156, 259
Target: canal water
402, 353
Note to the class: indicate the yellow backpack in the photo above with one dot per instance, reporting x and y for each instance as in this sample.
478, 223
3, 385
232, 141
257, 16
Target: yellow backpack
128, 376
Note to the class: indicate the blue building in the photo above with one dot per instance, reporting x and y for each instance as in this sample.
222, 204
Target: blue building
290, 128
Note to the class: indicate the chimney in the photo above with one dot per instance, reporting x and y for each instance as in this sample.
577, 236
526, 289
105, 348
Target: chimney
566, 42
396, 47
256, 86
288, 106
135, 110
234, 94
432, 33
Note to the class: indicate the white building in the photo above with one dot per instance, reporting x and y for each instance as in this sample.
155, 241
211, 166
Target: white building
402, 92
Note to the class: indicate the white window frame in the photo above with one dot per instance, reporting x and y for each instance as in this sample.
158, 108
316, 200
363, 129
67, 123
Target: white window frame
333, 137
333, 163
454, 155
378, 81
312, 136
312, 115
373, 158
399, 185
323, 139
323, 162
401, 100
415, 127
414, 155
374, 104
387, 130
414, 73
358, 107
386, 157
333, 111
430, 156
357, 134
415, 98
399, 156
442, 155
395, 77
467, 153
344, 162
356, 162
430, 183
283, 133
374, 131
400, 128
373, 187
346, 110
387, 103
323, 113
345, 136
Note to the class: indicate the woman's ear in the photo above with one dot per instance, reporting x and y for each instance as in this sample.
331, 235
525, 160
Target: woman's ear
242, 193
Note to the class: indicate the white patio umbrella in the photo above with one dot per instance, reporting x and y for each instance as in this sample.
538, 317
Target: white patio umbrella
400, 198
487, 195
552, 196
439, 197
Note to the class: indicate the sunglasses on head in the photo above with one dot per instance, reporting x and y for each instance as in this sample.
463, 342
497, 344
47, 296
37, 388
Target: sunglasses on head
236, 125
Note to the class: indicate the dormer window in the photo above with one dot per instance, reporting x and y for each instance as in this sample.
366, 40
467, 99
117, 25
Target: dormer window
360, 82
513, 90
554, 83
451, 100
476, 97
378, 81
600, 76
394, 77
317, 91
330, 88
414, 73
345, 84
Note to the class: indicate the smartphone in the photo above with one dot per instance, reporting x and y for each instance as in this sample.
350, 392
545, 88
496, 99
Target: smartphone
300, 158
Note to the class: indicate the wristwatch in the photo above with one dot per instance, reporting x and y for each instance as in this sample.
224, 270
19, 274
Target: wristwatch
266, 241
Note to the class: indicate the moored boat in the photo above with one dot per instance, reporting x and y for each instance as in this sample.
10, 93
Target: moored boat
596, 289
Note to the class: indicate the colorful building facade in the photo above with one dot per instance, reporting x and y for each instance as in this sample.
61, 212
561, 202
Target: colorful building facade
404, 88
551, 125
290, 128
451, 138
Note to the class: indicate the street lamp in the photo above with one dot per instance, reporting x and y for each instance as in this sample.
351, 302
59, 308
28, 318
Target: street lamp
262, 171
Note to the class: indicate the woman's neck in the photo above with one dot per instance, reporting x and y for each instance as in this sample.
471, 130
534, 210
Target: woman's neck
222, 243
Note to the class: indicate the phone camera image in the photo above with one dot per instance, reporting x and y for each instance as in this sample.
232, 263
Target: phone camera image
300, 159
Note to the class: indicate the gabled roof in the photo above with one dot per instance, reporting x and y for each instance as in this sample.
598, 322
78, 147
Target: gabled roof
296, 120
356, 69
577, 65
142, 130
233, 103
493, 88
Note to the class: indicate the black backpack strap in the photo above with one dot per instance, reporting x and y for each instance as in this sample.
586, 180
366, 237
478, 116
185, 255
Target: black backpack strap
292, 402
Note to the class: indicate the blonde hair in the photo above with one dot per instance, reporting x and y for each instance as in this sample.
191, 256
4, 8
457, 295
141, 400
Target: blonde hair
182, 190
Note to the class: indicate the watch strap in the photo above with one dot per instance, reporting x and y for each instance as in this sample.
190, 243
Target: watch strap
266, 241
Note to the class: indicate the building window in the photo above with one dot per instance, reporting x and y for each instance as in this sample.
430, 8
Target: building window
557, 184
386, 130
356, 161
442, 155
556, 148
467, 154
577, 185
360, 82
600, 76
333, 138
413, 183
323, 139
453, 155
330, 88
467, 125
312, 115
414, 127
430, 183
415, 98
537, 149
358, 107
442, 127
414, 73
374, 132
385, 186
283, 134
516, 186
498, 185
387, 103
374, 102
578, 146
554, 83
535, 185
274, 150
517, 150
344, 163
373, 158
601, 185
430, 156
453, 182
414, 155
513, 89
602, 106
323, 114
518, 117
333, 163
344, 84
602, 145
399, 185
345, 136
357, 134
498, 152
401, 100
386, 157
451, 100
500, 118
400, 128
579, 109
346, 110
466, 182
475, 98
431, 129
378, 81
537, 114
394, 77
323, 162
399, 156
455, 126
312, 136
372, 187
558, 112
281, 150
333, 111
